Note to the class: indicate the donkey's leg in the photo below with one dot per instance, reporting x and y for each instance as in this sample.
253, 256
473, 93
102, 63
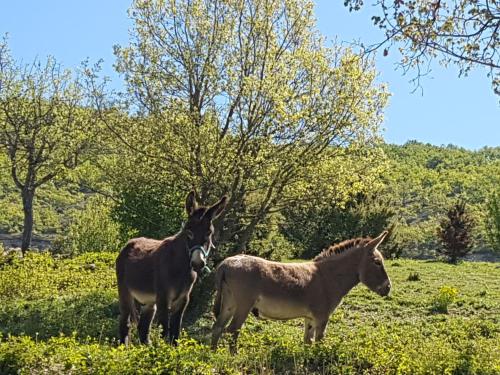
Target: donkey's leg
239, 318
320, 328
308, 331
127, 314
163, 312
147, 315
176, 320
124, 327
225, 314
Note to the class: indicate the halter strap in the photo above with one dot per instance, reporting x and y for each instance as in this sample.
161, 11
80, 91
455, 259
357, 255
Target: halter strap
205, 253
198, 248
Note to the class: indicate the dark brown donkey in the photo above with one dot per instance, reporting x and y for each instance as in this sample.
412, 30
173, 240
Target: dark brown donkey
160, 274
309, 290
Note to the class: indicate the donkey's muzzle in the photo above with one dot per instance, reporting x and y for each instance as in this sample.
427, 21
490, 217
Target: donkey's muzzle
198, 261
384, 289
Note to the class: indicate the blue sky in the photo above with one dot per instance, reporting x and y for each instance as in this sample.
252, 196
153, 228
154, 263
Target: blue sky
463, 111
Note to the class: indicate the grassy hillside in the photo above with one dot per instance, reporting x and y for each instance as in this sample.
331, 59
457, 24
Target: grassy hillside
59, 316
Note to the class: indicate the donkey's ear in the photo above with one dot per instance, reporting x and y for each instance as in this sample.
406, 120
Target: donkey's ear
191, 204
373, 244
214, 211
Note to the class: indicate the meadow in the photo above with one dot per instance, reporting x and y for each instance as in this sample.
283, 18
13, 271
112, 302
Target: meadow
59, 316
246, 99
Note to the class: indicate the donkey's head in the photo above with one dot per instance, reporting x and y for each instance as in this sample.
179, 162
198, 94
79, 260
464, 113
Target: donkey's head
199, 229
372, 272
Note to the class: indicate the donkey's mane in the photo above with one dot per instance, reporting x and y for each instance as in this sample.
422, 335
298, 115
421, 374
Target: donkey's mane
341, 247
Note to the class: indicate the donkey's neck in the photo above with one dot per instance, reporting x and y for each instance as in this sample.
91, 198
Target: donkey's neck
340, 273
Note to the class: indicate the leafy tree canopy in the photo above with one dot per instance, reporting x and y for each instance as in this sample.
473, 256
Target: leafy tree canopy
241, 98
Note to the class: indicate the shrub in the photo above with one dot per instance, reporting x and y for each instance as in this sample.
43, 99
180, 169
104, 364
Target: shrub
317, 227
443, 299
455, 233
274, 246
270, 243
91, 230
150, 206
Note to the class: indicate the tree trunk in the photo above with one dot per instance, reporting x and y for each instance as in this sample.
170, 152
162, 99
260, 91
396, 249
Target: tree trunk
246, 236
28, 195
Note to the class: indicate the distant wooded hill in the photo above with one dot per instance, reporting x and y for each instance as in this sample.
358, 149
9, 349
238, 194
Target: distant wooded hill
418, 184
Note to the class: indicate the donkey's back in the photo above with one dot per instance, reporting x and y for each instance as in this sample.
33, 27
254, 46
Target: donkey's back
254, 275
135, 265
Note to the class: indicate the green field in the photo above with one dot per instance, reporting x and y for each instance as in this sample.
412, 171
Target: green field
60, 316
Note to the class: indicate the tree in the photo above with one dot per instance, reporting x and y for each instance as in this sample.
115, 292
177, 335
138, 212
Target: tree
493, 221
241, 97
455, 233
463, 32
46, 126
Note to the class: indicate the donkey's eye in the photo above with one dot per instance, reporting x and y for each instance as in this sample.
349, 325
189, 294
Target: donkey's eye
377, 262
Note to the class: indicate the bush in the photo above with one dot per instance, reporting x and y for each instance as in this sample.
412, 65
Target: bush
268, 242
150, 207
443, 299
315, 228
274, 246
91, 230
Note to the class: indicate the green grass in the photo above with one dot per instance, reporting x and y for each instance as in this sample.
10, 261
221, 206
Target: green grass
60, 316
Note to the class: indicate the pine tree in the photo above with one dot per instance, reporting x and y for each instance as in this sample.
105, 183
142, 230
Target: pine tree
455, 233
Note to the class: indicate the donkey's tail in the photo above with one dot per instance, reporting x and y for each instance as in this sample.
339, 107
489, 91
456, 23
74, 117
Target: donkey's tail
127, 303
128, 306
219, 279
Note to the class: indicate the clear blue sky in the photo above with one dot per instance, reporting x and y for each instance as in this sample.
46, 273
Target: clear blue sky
462, 111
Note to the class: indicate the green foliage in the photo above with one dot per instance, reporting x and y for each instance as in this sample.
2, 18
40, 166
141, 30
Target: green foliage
55, 202
423, 181
46, 108
443, 299
151, 207
47, 125
91, 230
43, 296
417, 182
265, 102
48, 296
492, 221
270, 243
315, 228
455, 233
